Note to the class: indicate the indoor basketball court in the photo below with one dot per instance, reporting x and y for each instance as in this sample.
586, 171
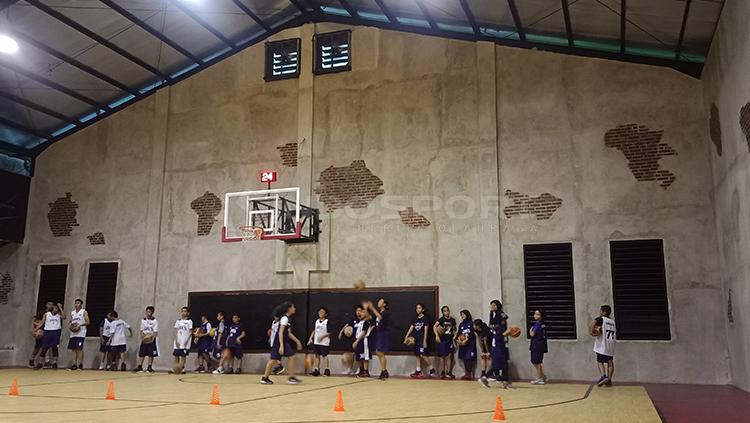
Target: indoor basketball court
293, 211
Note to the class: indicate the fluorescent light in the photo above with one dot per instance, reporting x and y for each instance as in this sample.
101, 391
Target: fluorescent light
8, 45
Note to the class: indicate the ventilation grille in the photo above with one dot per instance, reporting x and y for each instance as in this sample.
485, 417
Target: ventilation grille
639, 286
53, 279
100, 294
548, 273
333, 52
282, 59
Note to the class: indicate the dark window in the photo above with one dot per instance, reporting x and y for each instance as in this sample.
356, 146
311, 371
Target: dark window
639, 285
332, 52
52, 281
282, 59
100, 293
548, 273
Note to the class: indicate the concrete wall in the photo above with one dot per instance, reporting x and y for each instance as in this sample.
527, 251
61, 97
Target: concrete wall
443, 128
727, 91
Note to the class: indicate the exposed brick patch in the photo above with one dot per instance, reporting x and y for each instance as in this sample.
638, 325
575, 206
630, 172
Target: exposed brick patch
714, 128
745, 122
643, 150
413, 219
62, 215
207, 207
7, 286
97, 238
542, 206
354, 186
288, 154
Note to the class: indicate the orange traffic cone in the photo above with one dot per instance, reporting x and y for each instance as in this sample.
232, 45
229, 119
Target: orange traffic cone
339, 406
499, 410
110, 391
13, 391
215, 396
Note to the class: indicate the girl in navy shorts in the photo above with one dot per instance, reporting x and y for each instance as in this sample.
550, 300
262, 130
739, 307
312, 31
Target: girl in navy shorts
467, 345
281, 343
538, 346
382, 334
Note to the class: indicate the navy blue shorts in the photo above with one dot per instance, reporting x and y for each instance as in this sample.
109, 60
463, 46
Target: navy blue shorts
204, 347
180, 352
419, 350
500, 357
467, 352
51, 338
321, 350
362, 351
37, 342
118, 348
76, 343
148, 350
382, 342
236, 351
288, 351
445, 348
104, 344
601, 358
537, 357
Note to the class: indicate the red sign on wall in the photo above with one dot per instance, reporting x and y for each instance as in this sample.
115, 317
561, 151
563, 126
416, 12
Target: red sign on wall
268, 176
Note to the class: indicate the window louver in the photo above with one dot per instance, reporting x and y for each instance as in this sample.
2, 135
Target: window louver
282, 59
332, 52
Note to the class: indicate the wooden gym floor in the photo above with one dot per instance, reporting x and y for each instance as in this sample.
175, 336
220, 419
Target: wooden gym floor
65, 396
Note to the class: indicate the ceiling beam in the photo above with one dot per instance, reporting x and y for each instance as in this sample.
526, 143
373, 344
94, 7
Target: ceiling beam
96, 37
150, 29
517, 20
38, 107
23, 128
202, 22
73, 62
470, 17
252, 14
678, 50
349, 9
624, 24
386, 11
52, 84
568, 25
299, 6
14, 150
426, 14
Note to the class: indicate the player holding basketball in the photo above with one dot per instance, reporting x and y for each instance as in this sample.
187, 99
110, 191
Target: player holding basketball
538, 346
37, 331
79, 320
184, 326
467, 345
445, 330
280, 343
149, 345
347, 358
382, 334
320, 339
604, 331
419, 329
361, 345
498, 347
52, 324
202, 337
234, 345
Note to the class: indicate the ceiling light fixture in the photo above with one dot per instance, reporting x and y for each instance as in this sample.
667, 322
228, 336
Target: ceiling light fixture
8, 45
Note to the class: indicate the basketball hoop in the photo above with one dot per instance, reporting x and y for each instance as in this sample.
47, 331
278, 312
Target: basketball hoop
251, 233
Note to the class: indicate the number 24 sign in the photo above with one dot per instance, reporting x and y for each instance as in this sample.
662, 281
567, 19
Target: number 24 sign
268, 176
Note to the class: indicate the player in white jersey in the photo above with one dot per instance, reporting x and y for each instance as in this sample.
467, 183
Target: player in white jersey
52, 325
79, 321
320, 339
604, 331
184, 327
105, 333
118, 343
149, 345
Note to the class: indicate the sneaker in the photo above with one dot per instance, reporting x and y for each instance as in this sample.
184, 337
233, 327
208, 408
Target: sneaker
467, 376
278, 369
432, 373
535, 382
544, 378
38, 366
293, 381
138, 369
506, 384
200, 369
237, 371
382, 375
451, 376
387, 375
442, 375
540, 382
101, 367
609, 383
229, 371
602, 380
484, 382
315, 372
54, 366
122, 367
416, 375
31, 364
219, 371
266, 381
327, 372
150, 369
47, 365
73, 367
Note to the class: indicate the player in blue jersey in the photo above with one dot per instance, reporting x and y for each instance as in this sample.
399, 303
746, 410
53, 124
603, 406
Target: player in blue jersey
467, 345
538, 346
499, 352
202, 337
382, 334
419, 329
281, 343
445, 330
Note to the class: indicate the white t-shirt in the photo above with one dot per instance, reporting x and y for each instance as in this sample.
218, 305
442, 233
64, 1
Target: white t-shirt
79, 318
275, 327
184, 330
52, 321
118, 332
321, 329
605, 343
149, 326
106, 328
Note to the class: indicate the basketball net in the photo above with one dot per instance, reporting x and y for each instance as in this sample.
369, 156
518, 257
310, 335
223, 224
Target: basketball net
251, 233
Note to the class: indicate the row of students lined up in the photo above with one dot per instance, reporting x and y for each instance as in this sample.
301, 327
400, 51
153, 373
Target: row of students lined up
369, 331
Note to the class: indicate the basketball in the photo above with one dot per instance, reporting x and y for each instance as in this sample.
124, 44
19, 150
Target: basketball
148, 338
212, 332
359, 285
38, 334
515, 331
348, 331
177, 369
410, 341
441, 330
462, 339
74, 327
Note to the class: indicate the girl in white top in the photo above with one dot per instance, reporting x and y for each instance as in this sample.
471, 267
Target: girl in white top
79, 321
